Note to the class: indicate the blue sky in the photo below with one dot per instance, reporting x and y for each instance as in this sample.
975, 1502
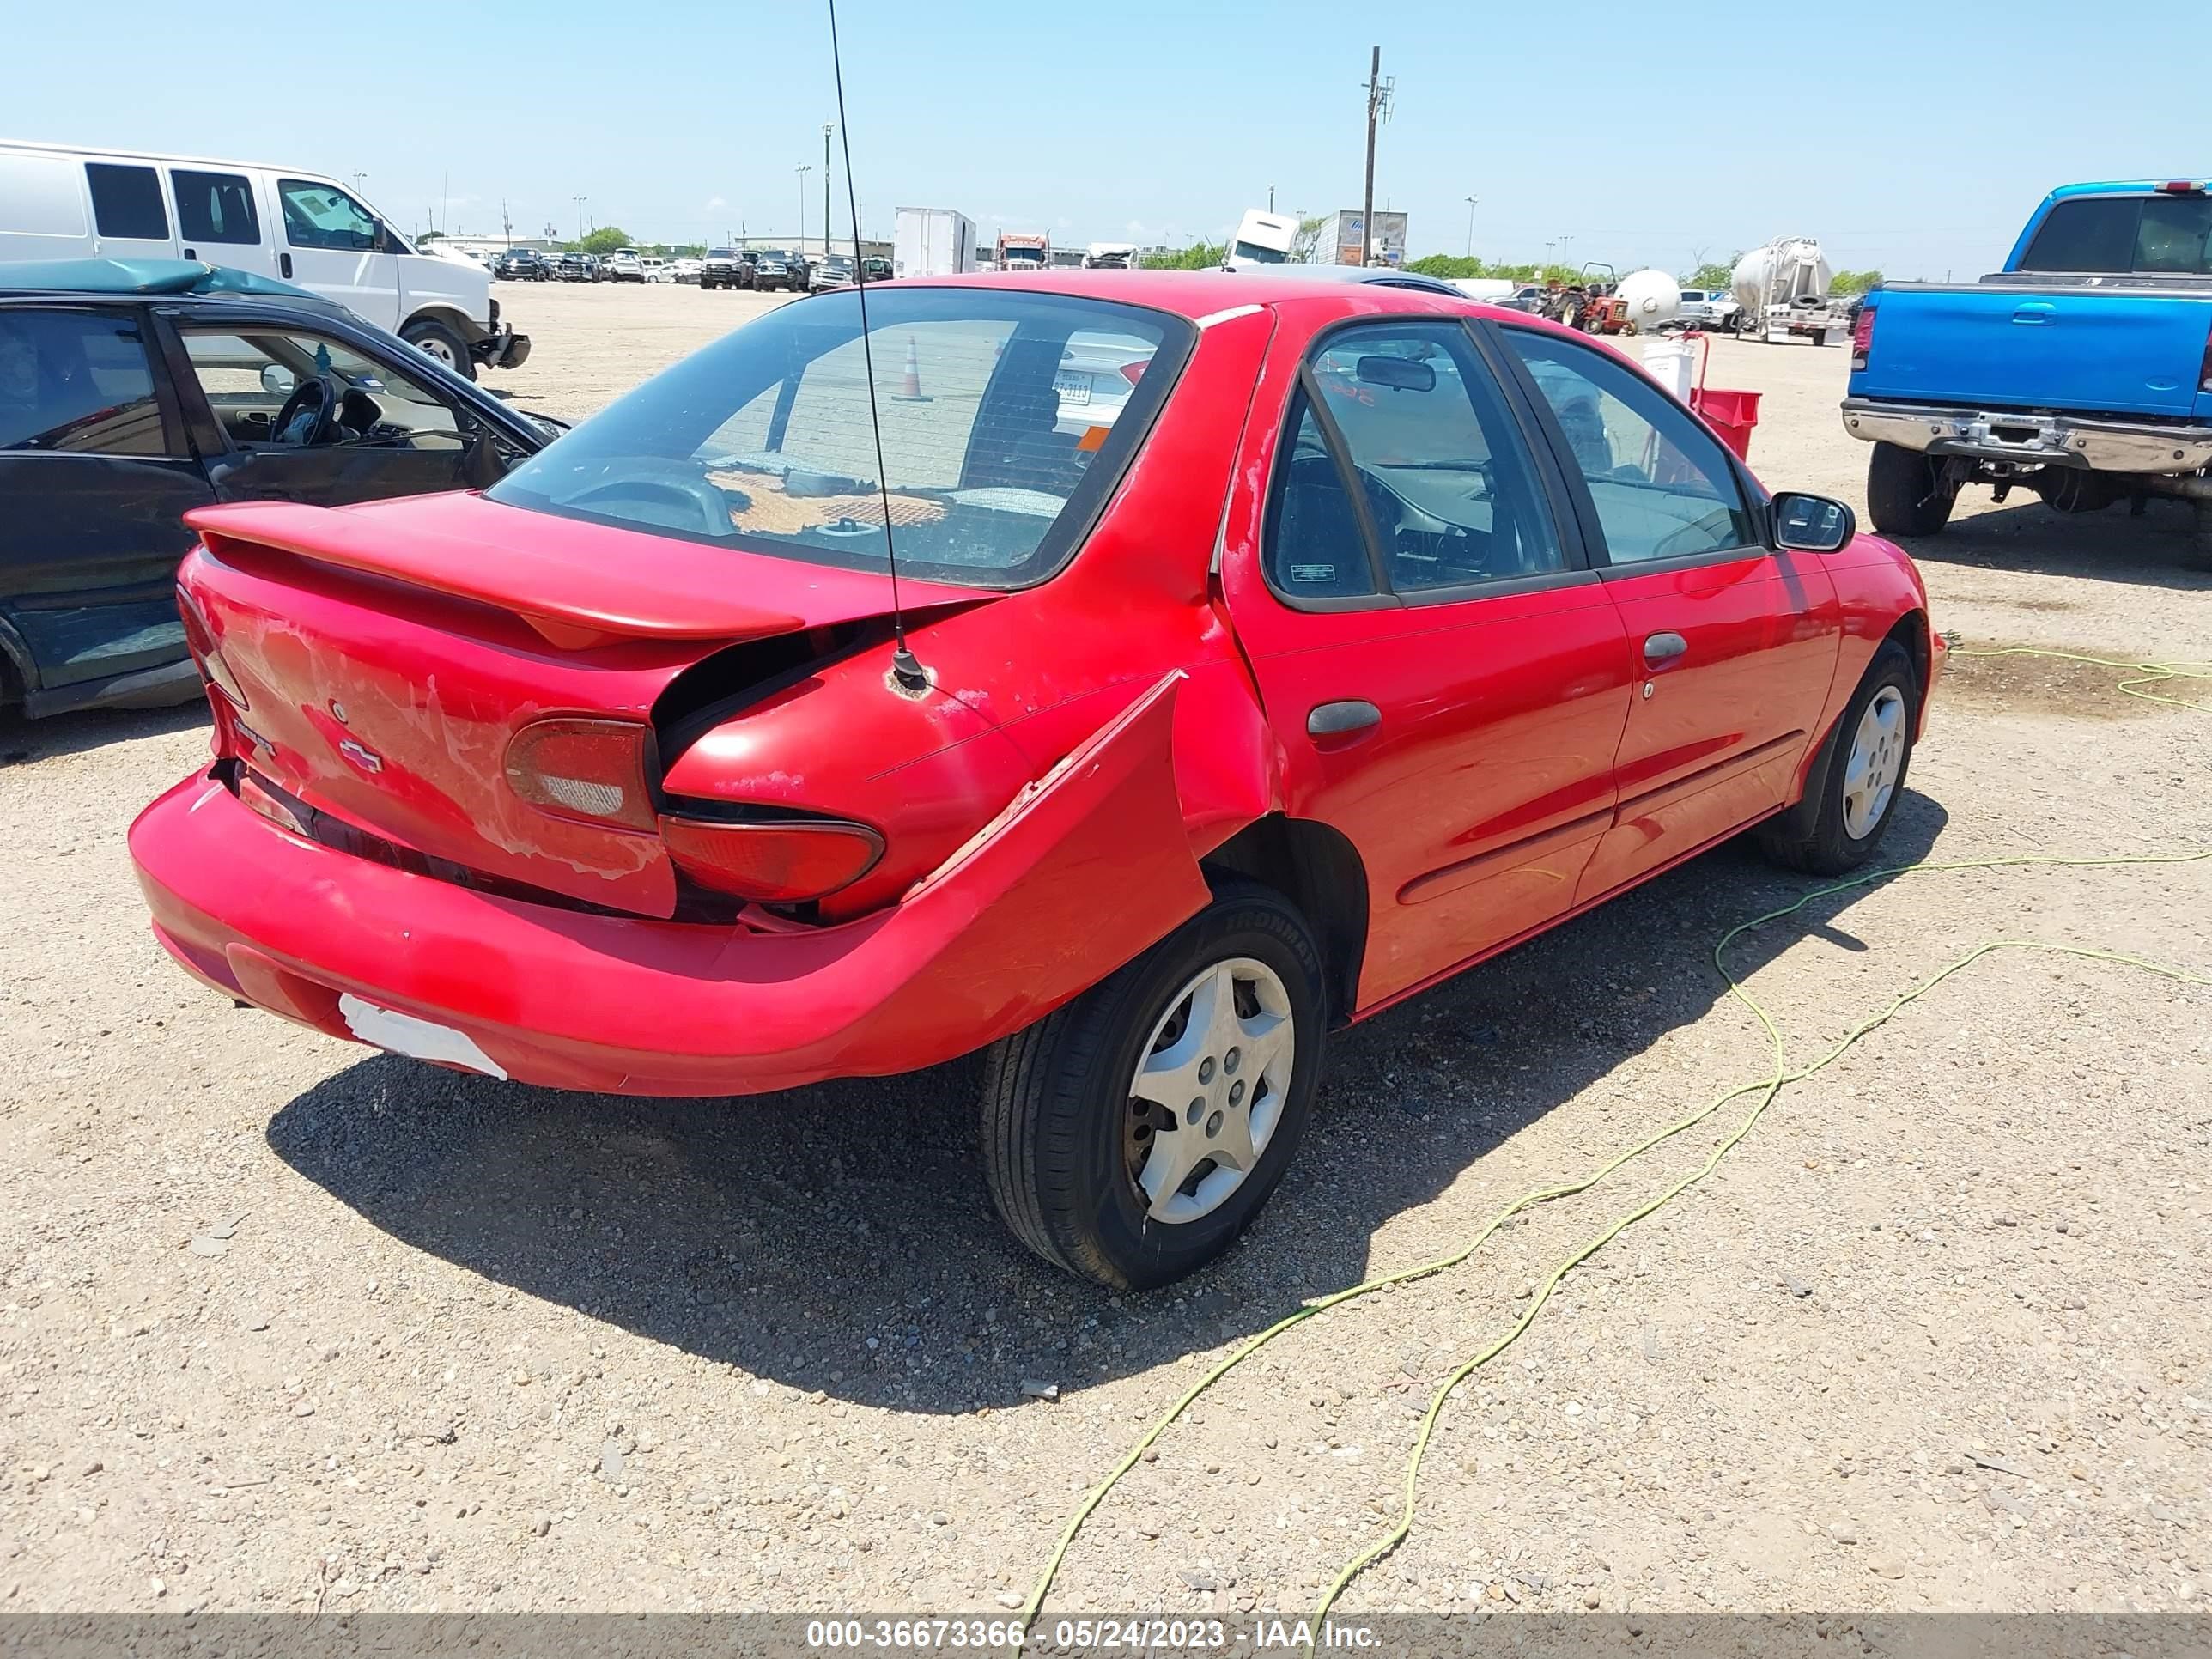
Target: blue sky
1916, 143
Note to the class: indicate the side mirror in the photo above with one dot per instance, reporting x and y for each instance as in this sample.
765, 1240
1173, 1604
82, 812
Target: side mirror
1812, 524
277, 380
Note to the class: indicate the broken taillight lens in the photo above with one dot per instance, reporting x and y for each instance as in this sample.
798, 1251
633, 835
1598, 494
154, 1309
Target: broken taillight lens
772, 861
199, 640
1862, 336
590, 769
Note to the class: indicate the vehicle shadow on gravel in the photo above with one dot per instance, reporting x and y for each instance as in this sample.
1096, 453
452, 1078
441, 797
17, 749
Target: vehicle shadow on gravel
2025, 536
91, 728
838, 1238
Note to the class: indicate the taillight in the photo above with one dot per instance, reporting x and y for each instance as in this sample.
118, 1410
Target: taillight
1134, 372
1862, 336
772, 861
2204, 370
584, 769
199, 640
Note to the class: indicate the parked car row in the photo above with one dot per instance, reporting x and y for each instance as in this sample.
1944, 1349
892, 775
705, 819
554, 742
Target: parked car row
780, 268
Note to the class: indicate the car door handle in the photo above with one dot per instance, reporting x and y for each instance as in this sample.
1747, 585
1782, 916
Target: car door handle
1337, 719
2036, 313
1664, 647
284, 265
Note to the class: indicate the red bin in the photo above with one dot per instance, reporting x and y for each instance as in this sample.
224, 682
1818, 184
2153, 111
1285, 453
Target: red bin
1731, 414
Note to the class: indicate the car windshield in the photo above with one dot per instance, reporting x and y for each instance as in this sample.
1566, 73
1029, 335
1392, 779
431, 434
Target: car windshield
992, 463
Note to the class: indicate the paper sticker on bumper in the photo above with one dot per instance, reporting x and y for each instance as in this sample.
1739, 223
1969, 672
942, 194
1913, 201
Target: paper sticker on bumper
418, 1039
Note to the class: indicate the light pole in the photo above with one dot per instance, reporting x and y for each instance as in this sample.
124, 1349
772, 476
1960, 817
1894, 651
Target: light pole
805, 167
1564, 238
1470, 225
1271, 198
580, 201
828, 127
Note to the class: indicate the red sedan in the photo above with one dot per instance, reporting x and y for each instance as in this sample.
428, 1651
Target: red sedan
1277, 648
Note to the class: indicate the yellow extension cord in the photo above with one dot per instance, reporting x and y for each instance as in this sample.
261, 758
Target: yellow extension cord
2140, 675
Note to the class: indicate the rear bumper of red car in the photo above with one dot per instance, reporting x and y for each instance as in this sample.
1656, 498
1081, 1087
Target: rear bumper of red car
1008, 931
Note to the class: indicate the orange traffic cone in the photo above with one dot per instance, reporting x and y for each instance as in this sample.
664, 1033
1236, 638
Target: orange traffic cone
909, 390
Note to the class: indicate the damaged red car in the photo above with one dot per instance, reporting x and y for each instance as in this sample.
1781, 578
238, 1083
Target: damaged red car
1278, 648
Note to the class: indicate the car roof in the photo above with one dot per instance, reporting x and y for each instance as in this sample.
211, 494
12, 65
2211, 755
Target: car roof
187, 277
1199, 293
2124, 187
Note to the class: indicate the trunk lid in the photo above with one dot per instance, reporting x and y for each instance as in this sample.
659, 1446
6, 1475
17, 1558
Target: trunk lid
389, 654
2059, 346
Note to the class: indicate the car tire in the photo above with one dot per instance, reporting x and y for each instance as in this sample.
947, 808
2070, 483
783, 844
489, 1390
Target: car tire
1907, 492
1067, 1142
435, 339
1858, 777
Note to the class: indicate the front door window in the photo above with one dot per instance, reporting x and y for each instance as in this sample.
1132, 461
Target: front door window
323, 216
249, 377
1661, 483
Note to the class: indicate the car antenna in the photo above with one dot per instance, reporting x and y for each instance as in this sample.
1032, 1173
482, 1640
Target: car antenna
906, 669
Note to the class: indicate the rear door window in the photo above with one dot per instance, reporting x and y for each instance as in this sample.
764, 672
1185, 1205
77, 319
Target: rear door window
78, 383
126, 202
1436, 459
215, 207
2173, 235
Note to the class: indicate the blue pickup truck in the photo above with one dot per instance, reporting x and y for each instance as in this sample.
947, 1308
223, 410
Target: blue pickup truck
2081, 371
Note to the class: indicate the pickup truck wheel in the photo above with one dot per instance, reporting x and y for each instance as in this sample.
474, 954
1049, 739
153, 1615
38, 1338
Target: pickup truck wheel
435, 339
1131, 1135
1857, 777
1907, 492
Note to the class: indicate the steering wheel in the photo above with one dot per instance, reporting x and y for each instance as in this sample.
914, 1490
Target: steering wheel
309, 415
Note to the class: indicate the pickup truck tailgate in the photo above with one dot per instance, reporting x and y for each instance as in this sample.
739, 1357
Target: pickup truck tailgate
2090, 350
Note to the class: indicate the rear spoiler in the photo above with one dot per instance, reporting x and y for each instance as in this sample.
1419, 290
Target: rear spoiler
569, 581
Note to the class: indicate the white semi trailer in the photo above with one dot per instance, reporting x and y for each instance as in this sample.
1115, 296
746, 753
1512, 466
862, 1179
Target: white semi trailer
933, 242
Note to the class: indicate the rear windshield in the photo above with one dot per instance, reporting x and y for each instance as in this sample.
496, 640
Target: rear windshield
2162, 235
1007, 418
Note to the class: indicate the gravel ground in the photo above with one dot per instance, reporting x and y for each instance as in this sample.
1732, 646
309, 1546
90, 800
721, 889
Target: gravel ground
284, 1323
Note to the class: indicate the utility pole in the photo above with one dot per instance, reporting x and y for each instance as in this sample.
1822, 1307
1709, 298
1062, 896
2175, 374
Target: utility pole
828, 127
506, 222
1471, 201
1271, 198
805, 167
580, 201
1378, 109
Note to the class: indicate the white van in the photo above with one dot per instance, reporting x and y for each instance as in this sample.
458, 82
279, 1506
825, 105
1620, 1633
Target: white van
57, 203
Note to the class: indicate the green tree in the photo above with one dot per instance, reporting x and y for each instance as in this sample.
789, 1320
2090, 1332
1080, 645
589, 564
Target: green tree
1197, 257
1307, 243
1712, 274
605, 240
1855, 282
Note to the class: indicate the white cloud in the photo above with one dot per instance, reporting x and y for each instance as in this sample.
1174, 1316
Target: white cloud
714, 204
